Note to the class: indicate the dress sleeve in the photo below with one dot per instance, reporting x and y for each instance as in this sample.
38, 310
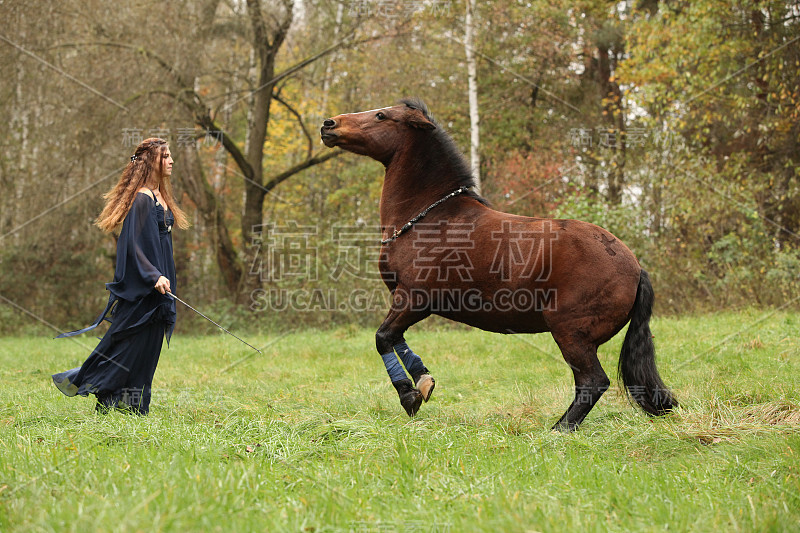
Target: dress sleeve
138, 252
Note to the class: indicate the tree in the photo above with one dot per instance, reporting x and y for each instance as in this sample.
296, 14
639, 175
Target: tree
472, 89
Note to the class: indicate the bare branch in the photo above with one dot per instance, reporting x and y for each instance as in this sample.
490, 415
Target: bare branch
304, 63
138, 49
310, 162
299, 120
208, 124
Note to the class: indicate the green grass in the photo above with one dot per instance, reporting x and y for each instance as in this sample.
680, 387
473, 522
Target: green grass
311, 437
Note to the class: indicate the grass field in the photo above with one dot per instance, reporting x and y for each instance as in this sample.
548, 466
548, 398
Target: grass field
311, 437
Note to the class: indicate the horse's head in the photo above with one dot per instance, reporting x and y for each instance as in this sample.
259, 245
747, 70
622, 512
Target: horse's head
378, 133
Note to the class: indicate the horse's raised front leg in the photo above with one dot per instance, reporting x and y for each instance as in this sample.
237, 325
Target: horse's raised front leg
419, 372
389, 338
591, 380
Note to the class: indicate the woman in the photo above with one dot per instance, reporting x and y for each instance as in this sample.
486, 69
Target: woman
119, 372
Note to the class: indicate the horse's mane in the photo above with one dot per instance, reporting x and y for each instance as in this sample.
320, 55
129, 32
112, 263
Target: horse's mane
449, 150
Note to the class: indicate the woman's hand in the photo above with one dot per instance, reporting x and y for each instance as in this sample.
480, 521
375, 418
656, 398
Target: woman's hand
162, 285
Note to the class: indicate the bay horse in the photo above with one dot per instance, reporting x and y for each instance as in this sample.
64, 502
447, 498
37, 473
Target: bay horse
446, 252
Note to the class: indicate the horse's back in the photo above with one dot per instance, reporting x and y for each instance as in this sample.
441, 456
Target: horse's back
514, 274
579, 274
554, 251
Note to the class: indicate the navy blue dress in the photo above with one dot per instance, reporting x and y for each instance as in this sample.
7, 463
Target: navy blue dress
120, 370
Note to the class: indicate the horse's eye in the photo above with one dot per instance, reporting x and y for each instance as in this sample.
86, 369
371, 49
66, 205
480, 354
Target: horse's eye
380, 116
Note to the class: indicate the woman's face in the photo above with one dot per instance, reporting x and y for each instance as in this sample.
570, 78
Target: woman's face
166, 162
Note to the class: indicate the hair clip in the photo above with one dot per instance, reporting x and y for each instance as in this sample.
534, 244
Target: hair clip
133, 158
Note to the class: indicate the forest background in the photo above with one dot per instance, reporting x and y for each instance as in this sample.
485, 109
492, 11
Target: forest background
674, 124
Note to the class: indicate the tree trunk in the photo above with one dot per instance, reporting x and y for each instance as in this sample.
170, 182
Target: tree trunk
472, 89
204, 197
266, 48
615, 137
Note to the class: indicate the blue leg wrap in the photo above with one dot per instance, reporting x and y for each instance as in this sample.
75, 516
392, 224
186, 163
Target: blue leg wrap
393, 367
411, 360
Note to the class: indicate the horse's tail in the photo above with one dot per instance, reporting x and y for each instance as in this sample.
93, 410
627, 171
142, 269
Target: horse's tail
637, 361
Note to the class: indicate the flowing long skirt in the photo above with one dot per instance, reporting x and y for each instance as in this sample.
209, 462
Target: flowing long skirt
119, 371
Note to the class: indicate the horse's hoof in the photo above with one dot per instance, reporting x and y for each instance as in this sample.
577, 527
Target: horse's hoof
411, 402
426, 384
410, 398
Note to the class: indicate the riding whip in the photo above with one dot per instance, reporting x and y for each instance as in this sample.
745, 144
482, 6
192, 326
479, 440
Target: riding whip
204, 316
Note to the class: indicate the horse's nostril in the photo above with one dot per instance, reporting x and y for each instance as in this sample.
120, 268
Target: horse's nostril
329, 123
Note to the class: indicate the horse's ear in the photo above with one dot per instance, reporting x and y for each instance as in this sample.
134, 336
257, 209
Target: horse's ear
417, 119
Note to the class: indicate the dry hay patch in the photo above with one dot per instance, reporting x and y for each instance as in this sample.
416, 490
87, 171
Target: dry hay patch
720, 421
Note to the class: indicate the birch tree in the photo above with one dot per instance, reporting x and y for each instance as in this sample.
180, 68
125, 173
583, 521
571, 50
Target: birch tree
472, 90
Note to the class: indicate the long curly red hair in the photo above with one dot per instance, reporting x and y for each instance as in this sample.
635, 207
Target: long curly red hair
147, 162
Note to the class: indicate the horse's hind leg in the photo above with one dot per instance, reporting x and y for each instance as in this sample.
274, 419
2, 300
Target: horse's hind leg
591, 380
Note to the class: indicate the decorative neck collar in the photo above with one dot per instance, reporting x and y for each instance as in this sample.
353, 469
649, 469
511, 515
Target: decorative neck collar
422, 214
